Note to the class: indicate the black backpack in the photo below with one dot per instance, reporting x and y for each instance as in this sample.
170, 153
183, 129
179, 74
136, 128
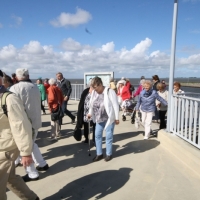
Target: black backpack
3, 102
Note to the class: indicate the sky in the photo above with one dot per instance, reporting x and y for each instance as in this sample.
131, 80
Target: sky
130, 37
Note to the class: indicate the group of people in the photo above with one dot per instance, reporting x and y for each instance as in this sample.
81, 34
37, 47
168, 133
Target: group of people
20, 119
152, 101
98, 105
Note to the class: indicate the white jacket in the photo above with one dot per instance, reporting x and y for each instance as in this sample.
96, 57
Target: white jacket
110, 103
30, 96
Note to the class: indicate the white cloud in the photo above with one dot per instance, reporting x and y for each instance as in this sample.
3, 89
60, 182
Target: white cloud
109, 47
75, 59
1, 25
68, 19
70, 45
17, 20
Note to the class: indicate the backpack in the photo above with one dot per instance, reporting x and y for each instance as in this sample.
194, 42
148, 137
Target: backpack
3, 102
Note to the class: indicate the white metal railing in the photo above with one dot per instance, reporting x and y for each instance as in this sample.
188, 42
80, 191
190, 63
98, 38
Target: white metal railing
186, 118
77, 90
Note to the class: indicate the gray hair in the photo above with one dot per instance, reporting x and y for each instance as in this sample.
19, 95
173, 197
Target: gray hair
52, 81
22, 73
96, 81
148, 82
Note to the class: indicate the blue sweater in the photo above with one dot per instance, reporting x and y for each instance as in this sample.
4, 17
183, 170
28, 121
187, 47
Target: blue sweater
148, 103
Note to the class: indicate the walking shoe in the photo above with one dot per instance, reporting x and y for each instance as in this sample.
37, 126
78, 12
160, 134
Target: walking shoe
107, 158
43, 168
85, 141
18, 165
73, 120
26, 178
146, 138
97, 158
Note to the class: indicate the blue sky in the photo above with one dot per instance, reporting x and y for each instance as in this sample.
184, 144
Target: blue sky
130, 37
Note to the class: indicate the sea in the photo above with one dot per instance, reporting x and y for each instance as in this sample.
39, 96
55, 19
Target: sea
135, 82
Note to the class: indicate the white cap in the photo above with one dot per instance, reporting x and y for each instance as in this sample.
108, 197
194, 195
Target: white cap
22, 72
122, 82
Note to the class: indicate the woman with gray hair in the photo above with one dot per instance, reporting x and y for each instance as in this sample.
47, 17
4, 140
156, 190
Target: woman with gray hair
147, 105
55, 98
104, 110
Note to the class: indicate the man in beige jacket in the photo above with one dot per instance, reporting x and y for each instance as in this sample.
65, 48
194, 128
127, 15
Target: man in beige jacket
15, 140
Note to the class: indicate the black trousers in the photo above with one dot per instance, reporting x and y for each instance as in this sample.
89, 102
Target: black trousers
42, 107
162, 119
85, 124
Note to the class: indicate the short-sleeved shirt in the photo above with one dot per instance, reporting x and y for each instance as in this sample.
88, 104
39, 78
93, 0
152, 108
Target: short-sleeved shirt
99, 109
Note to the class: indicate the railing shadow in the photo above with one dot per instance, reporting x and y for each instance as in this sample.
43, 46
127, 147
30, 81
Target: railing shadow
94, 185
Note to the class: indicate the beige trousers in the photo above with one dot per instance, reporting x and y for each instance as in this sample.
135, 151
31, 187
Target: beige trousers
55, 128
9, 179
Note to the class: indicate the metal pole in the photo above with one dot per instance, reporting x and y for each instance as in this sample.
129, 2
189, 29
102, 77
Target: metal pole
172, 65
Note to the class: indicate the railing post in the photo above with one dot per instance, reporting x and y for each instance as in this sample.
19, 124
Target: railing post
75, 91
172, 64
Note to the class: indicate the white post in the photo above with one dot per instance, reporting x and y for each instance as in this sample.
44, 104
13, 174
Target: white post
75, 91
172, 65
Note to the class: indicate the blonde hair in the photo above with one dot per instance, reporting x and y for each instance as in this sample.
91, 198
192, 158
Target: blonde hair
148, 82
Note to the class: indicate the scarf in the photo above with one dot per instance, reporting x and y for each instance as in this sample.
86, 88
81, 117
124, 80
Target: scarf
148, 93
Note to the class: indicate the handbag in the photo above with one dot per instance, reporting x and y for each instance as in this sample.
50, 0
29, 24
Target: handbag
77, 134
57, 114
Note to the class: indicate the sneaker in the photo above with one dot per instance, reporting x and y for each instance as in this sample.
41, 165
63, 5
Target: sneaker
26, 178
43, 168
97, 158
146, 138
108, 158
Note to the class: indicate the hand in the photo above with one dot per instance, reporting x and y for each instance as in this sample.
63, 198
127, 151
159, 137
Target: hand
159, 105
116, 122
26, 160
88, 116
66, 98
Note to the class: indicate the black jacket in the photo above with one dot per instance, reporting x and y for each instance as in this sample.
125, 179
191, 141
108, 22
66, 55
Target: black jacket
65, 87
81, 108
155, 85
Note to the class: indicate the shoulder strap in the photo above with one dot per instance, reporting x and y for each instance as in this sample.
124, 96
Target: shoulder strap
3, 102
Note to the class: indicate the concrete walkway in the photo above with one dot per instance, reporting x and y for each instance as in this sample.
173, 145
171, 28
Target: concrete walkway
140, 169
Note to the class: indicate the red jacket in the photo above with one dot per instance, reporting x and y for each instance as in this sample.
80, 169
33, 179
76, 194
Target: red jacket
46, 85
137, 92
55, 97
125, 93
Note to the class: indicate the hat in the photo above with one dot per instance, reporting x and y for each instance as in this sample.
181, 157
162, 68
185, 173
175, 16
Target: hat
123, 78
1, 73
142, 77
122, 82
21, 72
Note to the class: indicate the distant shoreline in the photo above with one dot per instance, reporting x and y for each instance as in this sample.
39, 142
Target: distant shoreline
194, 85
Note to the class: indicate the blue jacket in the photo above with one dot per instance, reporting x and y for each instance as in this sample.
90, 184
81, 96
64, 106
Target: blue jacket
148, 104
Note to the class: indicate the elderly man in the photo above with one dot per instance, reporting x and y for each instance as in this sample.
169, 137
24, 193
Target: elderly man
66, 89
16, 139
30, 96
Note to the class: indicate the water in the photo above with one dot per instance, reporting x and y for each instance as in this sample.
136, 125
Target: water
135, 82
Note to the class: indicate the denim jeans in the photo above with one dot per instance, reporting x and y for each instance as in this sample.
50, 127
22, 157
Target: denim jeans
109, 137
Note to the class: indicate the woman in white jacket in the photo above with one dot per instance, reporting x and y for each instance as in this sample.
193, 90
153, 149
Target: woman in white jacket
104, 110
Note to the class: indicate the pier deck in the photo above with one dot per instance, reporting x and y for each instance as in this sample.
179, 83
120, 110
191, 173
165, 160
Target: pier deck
140, 169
